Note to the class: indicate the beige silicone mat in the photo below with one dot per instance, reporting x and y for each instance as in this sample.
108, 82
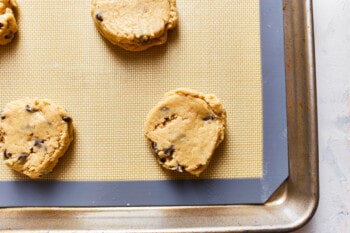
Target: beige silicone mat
58, 54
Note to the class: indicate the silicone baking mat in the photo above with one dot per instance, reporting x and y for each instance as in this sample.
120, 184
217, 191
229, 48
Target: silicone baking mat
233, 49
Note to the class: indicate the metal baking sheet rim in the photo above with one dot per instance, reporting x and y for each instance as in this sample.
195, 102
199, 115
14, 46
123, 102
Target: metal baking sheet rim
292, 205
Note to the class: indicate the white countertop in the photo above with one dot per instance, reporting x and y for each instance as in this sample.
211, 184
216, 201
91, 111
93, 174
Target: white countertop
332, 42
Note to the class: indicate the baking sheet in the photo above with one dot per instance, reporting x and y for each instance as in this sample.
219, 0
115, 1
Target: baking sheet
288, 209
58, 54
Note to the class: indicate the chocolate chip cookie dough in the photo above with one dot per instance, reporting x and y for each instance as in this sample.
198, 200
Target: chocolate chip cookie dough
184, 129
8, 24
135, 25
34, 134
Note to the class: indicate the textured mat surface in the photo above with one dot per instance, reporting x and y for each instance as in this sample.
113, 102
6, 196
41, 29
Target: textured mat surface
58, 54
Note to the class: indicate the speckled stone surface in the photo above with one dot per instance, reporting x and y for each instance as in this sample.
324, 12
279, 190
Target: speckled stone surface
332, 40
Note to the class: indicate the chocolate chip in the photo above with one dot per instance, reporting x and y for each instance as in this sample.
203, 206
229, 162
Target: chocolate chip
177, 168
169, 151
30, 109
6, 154
67, 119
143, 39
154, 148
99, 17
38, 142
8, 36
163, 160
22, 157
1, 25
3, 117
154, 145
208, 118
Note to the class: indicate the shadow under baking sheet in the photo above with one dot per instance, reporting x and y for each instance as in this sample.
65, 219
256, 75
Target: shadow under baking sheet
165, 192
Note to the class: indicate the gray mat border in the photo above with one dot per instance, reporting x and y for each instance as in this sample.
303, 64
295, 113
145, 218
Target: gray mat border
188, 192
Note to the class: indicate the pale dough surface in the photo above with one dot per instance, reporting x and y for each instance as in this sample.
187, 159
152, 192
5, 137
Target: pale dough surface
184, 129
34, 134
8, 23
135, 25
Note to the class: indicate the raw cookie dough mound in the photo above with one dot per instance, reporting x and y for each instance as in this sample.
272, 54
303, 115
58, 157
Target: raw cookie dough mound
184, 129
135, 25
8, 24
34, 134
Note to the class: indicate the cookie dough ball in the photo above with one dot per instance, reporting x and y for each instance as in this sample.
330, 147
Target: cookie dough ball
8, 24
184, 129
135, 25
34, 134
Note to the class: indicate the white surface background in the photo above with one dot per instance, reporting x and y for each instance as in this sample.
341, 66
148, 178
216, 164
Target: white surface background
332, 41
